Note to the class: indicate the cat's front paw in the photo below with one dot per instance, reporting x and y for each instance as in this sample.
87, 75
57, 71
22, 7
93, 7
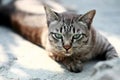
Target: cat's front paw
75, 66
56, 57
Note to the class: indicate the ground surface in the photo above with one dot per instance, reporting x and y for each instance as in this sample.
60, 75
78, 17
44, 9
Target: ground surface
22, 60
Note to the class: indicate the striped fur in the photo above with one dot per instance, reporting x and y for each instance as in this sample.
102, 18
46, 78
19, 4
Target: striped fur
69, 37
91, 43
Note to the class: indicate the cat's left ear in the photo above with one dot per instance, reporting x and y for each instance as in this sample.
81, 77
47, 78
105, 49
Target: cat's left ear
87, 18
50, 14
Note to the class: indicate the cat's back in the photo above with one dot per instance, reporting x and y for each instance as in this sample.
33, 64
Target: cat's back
27, 17
29, 12
101, 45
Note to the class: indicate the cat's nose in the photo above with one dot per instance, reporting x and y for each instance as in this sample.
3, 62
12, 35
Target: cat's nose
67, 47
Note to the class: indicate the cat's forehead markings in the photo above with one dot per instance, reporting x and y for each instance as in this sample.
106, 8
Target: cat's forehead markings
83, 23
53, 22
57, 30
61, 29
66, 24
73, 29
78, 30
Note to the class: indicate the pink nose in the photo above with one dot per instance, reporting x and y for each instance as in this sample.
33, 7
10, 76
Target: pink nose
67, 47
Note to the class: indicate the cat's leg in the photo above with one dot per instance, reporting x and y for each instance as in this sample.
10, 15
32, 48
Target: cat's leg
111, 53
56, 57
73, 65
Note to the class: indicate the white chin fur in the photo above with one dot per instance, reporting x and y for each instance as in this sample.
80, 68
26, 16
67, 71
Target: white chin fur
68, 54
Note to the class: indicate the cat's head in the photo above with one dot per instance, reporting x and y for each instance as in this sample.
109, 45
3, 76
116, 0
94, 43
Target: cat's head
68, 32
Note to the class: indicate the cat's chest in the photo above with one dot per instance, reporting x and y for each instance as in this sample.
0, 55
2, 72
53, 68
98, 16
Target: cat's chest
78, 55
83, 56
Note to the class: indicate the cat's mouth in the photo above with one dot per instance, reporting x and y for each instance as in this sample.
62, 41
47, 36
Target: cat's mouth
67, 53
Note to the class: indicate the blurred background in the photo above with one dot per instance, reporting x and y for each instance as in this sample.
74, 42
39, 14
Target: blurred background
107, 18
21, 60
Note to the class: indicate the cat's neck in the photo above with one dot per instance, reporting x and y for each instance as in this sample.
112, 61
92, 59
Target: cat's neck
93, 35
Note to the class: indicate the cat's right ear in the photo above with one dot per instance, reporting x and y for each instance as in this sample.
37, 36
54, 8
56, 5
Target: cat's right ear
87, 18
50, 14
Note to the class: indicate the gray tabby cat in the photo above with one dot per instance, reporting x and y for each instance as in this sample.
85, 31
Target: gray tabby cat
68, 37
72, 40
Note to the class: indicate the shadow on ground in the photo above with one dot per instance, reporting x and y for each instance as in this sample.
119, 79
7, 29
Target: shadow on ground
26, 61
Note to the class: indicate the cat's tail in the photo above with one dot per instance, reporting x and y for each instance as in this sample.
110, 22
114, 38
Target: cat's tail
5, 13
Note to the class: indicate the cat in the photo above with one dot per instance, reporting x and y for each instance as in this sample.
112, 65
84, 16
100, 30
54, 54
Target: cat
68, 37
74, 40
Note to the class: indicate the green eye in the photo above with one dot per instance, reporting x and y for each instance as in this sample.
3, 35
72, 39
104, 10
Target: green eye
77, 36
57, 35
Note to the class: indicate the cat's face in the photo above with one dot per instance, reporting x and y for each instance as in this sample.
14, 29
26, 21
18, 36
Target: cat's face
68, 33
